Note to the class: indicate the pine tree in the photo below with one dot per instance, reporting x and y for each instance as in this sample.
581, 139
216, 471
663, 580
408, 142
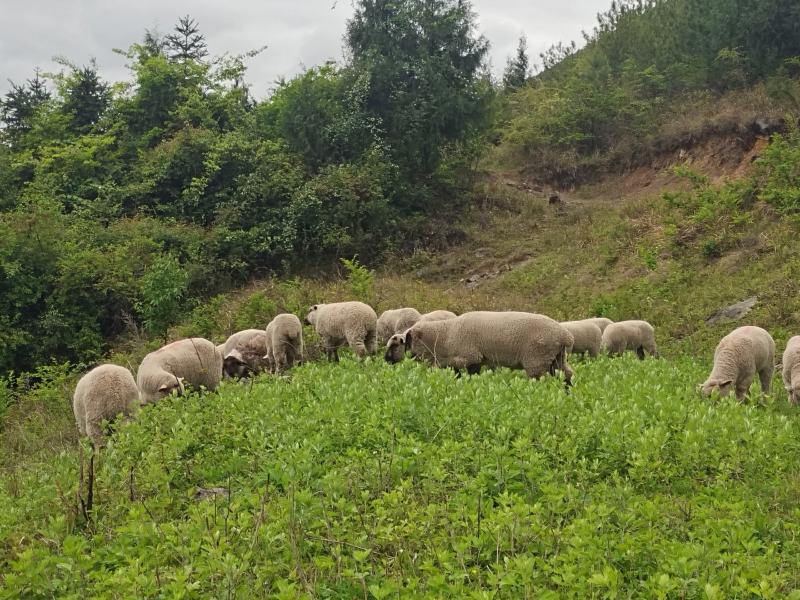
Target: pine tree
86, 96
19, 107
186, 43
517, 68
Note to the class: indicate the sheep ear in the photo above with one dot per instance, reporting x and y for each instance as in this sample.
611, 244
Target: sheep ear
724, 383
235, 355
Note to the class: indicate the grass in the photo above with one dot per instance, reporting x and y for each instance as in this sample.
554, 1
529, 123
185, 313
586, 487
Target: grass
371, 481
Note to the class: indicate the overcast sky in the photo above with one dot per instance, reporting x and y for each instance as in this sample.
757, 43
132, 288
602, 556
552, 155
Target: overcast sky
298, 32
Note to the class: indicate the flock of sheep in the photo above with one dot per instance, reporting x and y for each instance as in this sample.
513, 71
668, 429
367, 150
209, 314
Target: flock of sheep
518, 340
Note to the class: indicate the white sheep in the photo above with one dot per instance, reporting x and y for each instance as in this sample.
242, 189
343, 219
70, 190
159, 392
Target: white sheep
243, 353
102, 394
601, 322
587, 336
635, 336
739, 356
284, 342
438, 315
340, 323
396, 321
195, 361
535, 343
791, 369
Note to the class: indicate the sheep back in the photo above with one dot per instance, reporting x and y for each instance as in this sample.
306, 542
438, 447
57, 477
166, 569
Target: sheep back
601, 322
195, 361
101, 395
438, 315
395, 321
340, 323
284, 342
587, 336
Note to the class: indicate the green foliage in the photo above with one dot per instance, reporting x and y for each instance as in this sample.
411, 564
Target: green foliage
406, 482
606, 103
96, 179
360, 279
778, 172
164, 285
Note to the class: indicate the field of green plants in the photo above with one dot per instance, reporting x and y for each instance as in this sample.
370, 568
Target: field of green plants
370, 481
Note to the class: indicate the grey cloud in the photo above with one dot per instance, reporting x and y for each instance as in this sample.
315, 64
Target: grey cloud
298, 32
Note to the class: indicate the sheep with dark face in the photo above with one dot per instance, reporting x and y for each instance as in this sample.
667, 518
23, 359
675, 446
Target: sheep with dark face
193, 361
738, 357
340, 323
396, 345
535, 343
243, 353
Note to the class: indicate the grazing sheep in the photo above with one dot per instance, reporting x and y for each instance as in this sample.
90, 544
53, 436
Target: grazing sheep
396, 346
340, 323
791, 369
284, 342
101, 395
438, 315
396, 321
535, 343
738, 357
636, 336
194, 361
243, 353
587, 337
601, 322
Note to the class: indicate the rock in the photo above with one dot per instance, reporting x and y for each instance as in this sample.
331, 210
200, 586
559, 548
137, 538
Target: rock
482, 252
555, 198
733, 312
208, 493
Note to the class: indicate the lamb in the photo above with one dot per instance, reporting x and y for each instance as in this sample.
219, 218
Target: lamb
738, 357
396, 321
101, 395
195, 361
438, 315
243, 353
601, 322
354, 323
532, 342
637, 336
791, 369
284, 342
588, 337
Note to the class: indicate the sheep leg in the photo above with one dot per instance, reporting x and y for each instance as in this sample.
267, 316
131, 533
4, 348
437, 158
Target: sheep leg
371, 342
766, 375
473, 369
359, 348
640, 352
742, 387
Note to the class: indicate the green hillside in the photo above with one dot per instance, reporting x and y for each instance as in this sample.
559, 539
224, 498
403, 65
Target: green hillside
179, 205
373, 481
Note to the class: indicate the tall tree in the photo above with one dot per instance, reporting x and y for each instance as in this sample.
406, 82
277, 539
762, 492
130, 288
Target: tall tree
423, 63
186, 43
86, 96
20, 105
518, 67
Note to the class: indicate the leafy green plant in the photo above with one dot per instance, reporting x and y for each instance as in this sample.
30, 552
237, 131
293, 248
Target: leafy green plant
164, 285
360, 279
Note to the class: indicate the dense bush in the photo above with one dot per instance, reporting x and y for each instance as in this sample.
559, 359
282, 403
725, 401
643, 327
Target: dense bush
359, 480
98, 181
